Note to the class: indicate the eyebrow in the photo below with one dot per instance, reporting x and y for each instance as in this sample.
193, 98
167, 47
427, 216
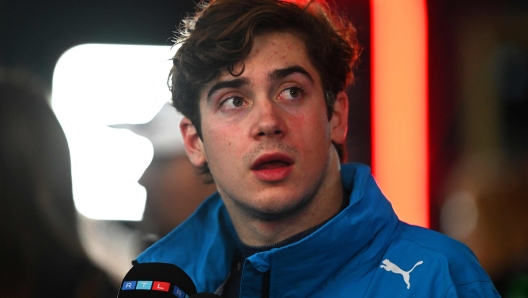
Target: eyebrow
235, 83
273, 75
284, 72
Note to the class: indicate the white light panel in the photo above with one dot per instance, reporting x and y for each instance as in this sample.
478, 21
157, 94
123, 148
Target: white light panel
97, 85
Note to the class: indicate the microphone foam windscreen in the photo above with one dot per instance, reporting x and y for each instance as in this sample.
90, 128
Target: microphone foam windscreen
155, 280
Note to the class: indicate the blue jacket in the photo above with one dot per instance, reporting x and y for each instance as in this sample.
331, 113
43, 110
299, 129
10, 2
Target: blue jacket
364, 251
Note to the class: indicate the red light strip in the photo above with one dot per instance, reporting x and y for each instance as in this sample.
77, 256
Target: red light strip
399, 106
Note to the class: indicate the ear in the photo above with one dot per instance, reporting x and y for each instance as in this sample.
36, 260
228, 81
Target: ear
339, 120
192, 143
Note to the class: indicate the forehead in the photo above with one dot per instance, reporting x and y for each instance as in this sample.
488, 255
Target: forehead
270, 51
278, 47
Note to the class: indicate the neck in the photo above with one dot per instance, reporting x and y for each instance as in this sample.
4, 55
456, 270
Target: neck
324, 204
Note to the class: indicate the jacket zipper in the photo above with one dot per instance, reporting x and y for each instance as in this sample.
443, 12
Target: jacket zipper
266, 284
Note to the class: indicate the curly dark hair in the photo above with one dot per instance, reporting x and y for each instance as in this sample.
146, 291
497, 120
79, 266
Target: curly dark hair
221, 34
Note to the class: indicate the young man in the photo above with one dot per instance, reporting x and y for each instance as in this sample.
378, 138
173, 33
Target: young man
262, 86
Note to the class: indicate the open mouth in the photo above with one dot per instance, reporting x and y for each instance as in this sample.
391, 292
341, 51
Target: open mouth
271, 162
272, 168
269, 165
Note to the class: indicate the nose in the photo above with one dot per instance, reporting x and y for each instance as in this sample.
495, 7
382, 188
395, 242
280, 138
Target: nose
269, 121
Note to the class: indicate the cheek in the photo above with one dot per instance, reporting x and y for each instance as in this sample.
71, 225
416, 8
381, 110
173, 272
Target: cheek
299, 120
219, 139
311, 129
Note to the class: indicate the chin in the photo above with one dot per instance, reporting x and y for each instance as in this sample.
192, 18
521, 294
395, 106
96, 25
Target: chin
278, 211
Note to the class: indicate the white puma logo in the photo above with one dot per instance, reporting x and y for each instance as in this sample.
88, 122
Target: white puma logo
389, 266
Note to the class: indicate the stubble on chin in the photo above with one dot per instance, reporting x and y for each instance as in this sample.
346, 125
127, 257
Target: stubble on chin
274, 214
286, 208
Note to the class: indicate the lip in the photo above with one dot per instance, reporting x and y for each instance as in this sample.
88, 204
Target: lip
273, 167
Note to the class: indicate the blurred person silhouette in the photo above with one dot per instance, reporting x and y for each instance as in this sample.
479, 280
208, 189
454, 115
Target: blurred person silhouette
174, 190
40, 251
173, 193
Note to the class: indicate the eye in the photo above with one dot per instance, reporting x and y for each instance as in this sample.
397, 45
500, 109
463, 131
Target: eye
236, 101
232, 103
291, 93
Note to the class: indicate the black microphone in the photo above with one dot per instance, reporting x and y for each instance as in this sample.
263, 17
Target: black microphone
155, 280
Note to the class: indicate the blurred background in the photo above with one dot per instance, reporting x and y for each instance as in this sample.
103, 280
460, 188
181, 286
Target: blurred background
477, 120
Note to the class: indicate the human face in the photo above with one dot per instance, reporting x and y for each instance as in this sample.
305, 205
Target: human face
266, 134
